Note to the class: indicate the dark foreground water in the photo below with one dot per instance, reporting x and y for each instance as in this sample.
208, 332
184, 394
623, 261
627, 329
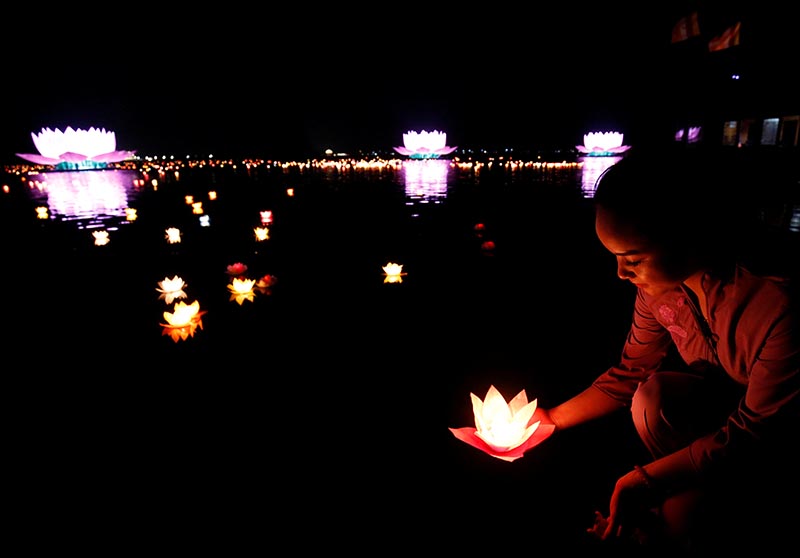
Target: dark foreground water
315, 418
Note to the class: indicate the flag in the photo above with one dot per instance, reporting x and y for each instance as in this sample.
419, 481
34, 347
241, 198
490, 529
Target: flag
729, 38
686, 28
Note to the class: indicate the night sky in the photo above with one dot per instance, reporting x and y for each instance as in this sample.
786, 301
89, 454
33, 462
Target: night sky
292, 82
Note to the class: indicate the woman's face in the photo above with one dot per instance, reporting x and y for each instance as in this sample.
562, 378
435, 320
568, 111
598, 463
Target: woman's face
650, 267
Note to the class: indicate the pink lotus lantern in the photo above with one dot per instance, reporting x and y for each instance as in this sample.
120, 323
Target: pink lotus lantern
236, 269
602, 144
505, 430
425, 145
76, 148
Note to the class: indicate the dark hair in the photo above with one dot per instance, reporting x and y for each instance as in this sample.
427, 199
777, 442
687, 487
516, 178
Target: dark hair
668, 195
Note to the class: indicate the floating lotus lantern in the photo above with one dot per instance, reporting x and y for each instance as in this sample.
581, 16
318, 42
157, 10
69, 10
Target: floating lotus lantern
100, 238
265, 284
197, 208
425, 145
183, 321
242, 289
42, 212
237, 268
602, 144
505, 430
173, 235
75, 149
266, 217
130, 214
393, 272
262, 233
171, 289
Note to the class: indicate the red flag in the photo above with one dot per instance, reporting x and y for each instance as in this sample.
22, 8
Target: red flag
729, 38
686, 28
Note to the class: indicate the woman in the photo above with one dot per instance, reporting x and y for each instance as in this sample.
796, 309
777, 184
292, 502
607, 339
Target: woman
710, 369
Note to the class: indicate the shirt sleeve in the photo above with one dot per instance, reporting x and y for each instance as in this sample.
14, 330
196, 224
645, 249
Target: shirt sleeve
644, 350
770, 409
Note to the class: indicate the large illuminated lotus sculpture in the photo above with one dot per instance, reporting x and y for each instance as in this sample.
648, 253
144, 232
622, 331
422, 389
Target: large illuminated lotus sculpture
505, 430
425, 145
602, 144
75, 149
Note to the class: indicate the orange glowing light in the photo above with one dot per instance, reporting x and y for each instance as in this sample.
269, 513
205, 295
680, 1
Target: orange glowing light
197, 208
130, 214
183, 321
262, 233
393, 272
505, 430
212, 195
189, 199
42, 212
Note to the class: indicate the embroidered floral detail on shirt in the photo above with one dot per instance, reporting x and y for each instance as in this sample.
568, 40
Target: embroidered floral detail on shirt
667, 313
677, 330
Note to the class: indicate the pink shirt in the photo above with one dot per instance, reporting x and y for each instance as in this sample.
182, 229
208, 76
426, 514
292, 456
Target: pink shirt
756, 334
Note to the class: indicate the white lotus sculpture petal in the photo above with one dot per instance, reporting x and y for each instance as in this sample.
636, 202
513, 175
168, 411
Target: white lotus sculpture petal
600, 144
425, 145
76, 148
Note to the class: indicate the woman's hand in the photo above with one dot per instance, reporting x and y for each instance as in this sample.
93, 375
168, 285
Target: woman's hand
629, 509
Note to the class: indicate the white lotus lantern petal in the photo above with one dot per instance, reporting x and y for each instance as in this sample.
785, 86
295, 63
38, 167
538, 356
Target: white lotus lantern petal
505, 430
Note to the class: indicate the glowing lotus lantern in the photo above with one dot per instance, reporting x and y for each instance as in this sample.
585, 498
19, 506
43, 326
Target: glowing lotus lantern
393, 272
425, 145
76, 148
100, 238
237, 268
183, 321
42, 212
266, 217
197, 208
505, 430
602, 144
130, 214
171, 289
262, 233
265, 284
173, 235
242, 289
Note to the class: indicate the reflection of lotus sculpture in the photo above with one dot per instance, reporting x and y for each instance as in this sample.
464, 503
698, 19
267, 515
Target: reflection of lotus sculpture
602, 144
75, 148
424, 145
505, 430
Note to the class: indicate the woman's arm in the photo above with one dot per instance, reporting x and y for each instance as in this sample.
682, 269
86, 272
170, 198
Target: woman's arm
589, 404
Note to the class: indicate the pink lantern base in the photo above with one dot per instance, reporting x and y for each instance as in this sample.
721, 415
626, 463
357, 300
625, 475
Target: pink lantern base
467, 434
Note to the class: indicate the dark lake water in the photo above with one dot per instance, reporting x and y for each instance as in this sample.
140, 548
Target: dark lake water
321, 406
